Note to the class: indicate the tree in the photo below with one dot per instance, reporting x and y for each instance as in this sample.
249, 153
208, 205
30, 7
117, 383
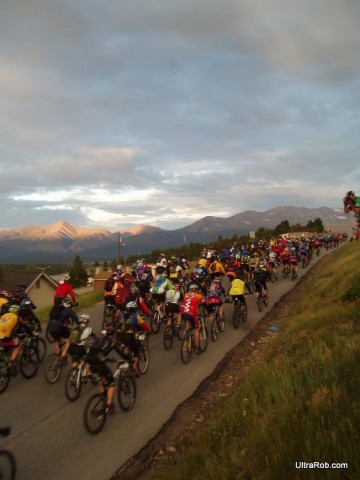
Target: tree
283, 227
78, 273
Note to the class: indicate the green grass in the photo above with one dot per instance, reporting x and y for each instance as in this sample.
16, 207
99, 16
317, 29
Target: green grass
301, 403
84, 301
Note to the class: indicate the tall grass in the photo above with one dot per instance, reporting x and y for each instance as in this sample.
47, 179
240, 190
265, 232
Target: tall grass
301, 403
84, 301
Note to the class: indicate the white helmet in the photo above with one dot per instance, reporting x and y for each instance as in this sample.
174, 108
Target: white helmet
84, 318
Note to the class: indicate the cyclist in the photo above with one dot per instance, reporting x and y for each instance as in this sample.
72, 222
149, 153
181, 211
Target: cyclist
293, 260
97, 357
64, 289
61, 315
9, 335
351, 203
26, 314
216, 268
260, 277
161, 284
4, 301
237, 289
213, 298
189, 310
172, 297
129, 324
80, 338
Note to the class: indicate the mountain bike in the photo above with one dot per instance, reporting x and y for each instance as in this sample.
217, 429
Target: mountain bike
175, 330
188, 342
7, 459
293, 272
95, 412
157, 318
261, 300
53, 366
144, 352
109, 315
27, 361
217, 324
76, 378
240, 312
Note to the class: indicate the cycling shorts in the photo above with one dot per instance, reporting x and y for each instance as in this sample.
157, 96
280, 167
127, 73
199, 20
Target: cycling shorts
103, 371
171, 308
189, 318
58, 329
128, 339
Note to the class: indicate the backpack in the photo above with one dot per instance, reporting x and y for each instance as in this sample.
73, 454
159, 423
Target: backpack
125, 321
213, 267
108, 285
8, 323
159, 285
98, 350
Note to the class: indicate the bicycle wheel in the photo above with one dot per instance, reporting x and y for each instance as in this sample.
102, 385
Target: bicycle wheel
144, 359
259, 304
186, 349
4, 377
214, 330
236, 316
48, 335
204, 338
155, 322
168, 337
7, 465
73, 384
52, 368
108, 320
244, 312
265, 300
41, 347
220, 321
180, 330
126, 393
95, 413
29, 362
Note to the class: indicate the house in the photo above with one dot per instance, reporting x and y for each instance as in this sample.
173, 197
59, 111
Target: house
39, 286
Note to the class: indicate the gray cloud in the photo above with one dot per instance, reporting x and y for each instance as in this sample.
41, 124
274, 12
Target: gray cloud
163, 112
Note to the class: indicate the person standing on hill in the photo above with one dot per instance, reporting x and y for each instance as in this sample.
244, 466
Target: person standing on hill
65, 290
351, 203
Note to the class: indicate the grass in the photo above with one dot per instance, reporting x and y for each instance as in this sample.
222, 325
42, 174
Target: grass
301, 403
84, 301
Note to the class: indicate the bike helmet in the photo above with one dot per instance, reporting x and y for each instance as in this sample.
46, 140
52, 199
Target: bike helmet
5, 293
67, 303
84, 318
350, 193
193, 287
261, 264
14, 308
119, 267
217, 280
131, 306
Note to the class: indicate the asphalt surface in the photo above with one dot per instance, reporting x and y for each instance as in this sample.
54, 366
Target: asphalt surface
48, 438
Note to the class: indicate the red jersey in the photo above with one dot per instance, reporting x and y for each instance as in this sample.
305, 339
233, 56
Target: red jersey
63, 289
190, 303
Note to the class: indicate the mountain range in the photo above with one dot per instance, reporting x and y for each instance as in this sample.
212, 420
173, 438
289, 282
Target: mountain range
59, 242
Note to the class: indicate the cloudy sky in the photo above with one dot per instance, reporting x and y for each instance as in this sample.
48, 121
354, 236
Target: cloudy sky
163, 111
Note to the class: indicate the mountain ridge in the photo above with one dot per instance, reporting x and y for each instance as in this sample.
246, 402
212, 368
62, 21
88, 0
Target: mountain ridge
60, 241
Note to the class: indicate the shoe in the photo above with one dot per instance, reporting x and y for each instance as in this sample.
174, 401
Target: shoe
198, 350
110, 409
64, 361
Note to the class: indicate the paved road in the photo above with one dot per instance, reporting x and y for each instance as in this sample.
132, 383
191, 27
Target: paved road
48, 437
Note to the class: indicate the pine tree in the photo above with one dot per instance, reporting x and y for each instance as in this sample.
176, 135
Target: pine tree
78, 274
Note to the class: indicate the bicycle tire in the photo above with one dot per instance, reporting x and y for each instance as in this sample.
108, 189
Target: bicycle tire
95, 413
29, 362
73, 384
41, 348
7, 465
243, 312
144, 359
52, 368
220, 321
168, 337
265, 300
214, 330
48, 335
155, 322
126, 393
4, 377
259, 304
236, 316
186, 349
204, 339
108, 321
180, 330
